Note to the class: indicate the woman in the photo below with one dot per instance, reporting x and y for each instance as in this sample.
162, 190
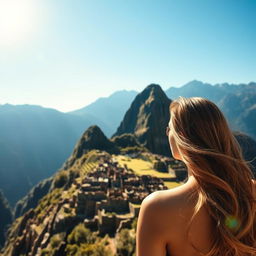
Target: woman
213, 213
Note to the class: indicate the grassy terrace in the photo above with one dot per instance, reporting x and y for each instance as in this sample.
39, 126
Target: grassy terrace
136, 205
142, 167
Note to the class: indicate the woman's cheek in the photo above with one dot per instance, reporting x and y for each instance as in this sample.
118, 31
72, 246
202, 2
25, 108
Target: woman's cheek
175, 151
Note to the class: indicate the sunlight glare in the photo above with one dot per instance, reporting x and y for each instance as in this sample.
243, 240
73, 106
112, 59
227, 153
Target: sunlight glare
17, 21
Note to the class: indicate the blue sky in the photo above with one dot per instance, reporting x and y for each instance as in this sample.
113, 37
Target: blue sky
65, 54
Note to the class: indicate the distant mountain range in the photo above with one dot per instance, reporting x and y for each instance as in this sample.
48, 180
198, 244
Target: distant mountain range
108, 111
214, 92
36, 141
238, 102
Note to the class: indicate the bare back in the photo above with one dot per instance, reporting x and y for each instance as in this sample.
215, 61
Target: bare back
177, 211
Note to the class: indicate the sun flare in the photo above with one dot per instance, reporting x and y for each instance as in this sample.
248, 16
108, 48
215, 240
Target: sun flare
17, 20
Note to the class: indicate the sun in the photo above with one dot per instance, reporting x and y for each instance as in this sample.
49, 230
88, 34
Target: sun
17, 20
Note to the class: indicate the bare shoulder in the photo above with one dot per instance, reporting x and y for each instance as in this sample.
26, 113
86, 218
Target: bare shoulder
149, 236
162, 220
170, 201
167, 211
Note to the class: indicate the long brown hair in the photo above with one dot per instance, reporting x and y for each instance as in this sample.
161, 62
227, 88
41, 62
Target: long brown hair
224, 177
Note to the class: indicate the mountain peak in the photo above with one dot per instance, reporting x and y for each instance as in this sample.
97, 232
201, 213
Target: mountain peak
194, 83
147, 118
92, 138
154, 89
93, 130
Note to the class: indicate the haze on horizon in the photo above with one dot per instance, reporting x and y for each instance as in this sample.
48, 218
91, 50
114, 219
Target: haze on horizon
66, 54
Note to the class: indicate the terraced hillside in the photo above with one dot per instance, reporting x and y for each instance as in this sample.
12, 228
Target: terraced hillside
92, 207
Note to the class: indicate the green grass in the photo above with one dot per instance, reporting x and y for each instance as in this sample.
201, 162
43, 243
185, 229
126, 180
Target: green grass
136, 205
141, 167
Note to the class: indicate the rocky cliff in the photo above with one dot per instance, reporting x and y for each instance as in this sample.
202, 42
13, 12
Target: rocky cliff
147, 119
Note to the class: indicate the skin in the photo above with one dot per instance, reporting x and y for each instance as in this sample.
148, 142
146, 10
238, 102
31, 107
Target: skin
162, 223
174, 149
164, 216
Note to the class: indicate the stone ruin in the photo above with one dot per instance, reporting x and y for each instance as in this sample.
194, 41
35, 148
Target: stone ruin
108, 198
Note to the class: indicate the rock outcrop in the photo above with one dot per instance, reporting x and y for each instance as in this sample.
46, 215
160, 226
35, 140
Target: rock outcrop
126, 140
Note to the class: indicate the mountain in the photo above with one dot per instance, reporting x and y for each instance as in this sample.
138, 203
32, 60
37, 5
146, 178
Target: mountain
248, 146
195, 88
237, 102
93, 138
90, 207
108, 110
126, 140
34, 142
214, 92
6, 217
91, 203
238, 108
147, 118
248, 120
32, 198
